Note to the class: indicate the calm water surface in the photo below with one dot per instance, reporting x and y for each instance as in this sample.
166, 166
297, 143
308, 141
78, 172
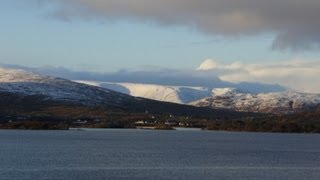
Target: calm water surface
147, 154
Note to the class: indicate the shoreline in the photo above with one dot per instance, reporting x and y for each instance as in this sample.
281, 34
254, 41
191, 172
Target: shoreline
138, 128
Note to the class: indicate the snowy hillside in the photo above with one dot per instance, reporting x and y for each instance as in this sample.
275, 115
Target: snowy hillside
21, 89
101, 93
17, 75
27, 83
222, 98
175, 94
283, 102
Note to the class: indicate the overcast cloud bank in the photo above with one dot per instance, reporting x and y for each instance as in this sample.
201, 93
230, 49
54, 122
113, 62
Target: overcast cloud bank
294, 23
299, 75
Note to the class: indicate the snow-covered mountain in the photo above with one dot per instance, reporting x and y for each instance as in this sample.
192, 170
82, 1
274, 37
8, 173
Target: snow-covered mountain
28, 83
103, 93
222, 98
22, 90
174, 94
282, 102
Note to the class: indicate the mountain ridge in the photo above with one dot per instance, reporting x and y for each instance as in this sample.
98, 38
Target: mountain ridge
47, 90
143, 96
276, 103
230, 98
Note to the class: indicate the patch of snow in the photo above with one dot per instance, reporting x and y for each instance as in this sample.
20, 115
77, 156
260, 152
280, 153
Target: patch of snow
18, 75
224, 91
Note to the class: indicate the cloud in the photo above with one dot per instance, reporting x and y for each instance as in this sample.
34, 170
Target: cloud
301, 75
212, 64
159, 76
297, 74
295, 23
209, 64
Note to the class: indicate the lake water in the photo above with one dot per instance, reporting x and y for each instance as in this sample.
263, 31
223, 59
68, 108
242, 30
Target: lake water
148, 154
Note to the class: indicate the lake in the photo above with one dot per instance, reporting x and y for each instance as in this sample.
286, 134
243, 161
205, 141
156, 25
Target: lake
149, 154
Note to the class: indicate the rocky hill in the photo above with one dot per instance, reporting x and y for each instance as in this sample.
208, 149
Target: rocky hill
277, 103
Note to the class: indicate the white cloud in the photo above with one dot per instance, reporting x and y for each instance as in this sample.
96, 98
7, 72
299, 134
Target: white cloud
209, 64
301, 75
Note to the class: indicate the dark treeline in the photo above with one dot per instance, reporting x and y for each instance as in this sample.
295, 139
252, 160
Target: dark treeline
295, 123
34, 125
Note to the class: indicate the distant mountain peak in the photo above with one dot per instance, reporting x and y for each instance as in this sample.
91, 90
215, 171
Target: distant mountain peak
174, 94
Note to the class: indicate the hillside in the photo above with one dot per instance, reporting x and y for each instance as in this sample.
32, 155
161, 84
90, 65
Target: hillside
234, 99
33, 101
277, 103
174, 94
23, 91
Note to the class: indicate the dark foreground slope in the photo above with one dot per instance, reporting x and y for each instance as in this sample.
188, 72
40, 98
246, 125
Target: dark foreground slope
42, 107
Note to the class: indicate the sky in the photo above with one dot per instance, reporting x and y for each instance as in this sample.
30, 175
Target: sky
112, 35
